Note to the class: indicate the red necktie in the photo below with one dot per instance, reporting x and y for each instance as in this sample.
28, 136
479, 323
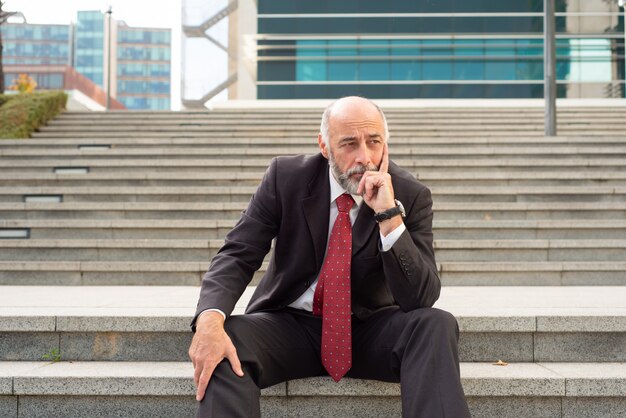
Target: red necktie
332, 294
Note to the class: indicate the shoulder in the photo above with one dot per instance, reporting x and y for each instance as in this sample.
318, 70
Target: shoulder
298, 169
299, 163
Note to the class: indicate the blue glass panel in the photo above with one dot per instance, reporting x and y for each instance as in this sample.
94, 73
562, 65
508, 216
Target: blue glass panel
466, 68
469, 70
529, 70
436, 70
308, 69
406, 70
342, 69
405, 47
374, 69
499, 70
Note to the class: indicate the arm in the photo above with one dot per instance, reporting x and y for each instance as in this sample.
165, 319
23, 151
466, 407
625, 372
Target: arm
410, 268
409, 265
244, 249
223, 284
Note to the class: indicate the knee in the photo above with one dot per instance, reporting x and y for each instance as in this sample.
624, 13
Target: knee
237, 328
438, 322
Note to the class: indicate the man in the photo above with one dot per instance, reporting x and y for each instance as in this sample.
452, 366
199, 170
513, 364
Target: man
350, 286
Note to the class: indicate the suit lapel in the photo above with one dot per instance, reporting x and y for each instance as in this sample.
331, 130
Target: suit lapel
363, 228
316, 209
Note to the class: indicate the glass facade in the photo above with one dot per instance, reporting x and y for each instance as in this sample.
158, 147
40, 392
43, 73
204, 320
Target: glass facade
143, 68
141, 57
151, 103
35, 44
448, 48
89, 46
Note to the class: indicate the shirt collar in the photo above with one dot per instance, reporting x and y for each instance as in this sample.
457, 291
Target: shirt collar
336, 190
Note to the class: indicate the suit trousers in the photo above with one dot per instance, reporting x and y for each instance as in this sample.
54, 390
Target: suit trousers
418, 349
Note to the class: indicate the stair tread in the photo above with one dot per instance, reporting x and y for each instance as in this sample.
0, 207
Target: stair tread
175, 379
170, 308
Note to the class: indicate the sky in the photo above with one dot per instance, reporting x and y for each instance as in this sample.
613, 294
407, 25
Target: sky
140, 13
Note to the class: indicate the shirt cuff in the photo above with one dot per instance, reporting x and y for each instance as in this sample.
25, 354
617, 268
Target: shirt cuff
387, 242
211, 310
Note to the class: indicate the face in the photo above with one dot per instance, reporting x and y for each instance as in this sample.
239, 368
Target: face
356, 142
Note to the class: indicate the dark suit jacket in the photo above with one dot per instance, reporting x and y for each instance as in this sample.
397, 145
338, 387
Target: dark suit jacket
292, 205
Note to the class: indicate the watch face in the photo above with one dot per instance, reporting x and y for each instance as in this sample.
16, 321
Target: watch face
401, 207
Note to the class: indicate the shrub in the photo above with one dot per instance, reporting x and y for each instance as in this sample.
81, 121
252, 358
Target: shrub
21, 114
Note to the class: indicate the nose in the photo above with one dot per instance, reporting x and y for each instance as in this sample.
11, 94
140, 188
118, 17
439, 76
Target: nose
362, 154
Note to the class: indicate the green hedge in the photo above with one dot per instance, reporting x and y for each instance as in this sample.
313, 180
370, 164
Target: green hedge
21, 114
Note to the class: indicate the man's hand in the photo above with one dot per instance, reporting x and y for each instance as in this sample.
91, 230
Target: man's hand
377, 191
209, 346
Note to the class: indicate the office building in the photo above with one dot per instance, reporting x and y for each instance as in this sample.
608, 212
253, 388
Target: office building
42, 51
418, 49
143, 67
64, 56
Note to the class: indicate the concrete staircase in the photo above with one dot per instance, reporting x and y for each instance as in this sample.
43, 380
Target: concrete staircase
108, 221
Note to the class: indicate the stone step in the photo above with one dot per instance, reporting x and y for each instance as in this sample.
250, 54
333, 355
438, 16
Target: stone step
316, 113
130, 141
300, 125
200, 250
232, 210
17, 183
414, 109
217, 167
313, 119
217, 228
198, 194
190, 273
550, 273
282, 107
459, 152
165, 389
594, 132
111, 273
139, 323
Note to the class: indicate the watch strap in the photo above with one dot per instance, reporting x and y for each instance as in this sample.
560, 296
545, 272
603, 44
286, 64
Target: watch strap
387, 214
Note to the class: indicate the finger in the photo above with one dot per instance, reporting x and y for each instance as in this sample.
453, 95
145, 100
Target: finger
370, 188
384, 164
235, 364
197, 371
361, 189
203, 381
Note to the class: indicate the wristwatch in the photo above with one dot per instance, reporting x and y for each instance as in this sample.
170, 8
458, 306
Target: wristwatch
390, 213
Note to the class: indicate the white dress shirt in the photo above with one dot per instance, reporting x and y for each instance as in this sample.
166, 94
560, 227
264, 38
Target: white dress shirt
305, 301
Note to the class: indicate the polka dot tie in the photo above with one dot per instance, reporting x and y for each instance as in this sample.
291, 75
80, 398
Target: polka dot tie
332, 294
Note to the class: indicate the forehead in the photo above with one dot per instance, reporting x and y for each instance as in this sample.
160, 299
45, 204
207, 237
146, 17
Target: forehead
355, 116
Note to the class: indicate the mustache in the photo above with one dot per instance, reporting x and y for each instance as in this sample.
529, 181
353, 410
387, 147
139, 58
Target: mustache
360, 169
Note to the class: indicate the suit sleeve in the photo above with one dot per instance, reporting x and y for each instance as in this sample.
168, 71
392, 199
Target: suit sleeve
244, 249
409, 266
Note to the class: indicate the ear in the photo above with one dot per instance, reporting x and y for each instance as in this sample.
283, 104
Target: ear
322, 146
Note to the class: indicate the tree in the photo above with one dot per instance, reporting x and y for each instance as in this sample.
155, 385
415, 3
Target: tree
4, 16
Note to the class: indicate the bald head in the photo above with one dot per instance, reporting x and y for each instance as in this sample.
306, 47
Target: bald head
347, 108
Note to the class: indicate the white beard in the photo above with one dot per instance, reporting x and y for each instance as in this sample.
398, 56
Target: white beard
344, 179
